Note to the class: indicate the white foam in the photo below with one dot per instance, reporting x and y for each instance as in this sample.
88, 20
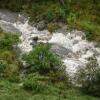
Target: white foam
81, 49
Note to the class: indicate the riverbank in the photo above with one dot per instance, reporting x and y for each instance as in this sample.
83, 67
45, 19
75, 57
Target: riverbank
77, 14
13, 91
71, 46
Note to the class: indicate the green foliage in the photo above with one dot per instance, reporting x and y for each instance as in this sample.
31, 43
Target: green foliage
42, 60
2, 68
7, 40
48, 12
14, 78
13, 91
86, 18
52, 27
55, 13
60, 79
36, 83
78, 14
89, 77
9, 63
14, 5
47, 64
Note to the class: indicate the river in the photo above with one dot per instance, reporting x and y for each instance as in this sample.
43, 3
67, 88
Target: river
72, 46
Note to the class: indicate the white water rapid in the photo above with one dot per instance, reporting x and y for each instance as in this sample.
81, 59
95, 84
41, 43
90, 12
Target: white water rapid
71, 46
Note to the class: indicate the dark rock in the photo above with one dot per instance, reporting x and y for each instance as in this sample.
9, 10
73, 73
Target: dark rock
79, 33
8, 15
7, 27
32, 43
62, 28
35, 38
41, 25
1, 29
60, 50
75, 41
26, 65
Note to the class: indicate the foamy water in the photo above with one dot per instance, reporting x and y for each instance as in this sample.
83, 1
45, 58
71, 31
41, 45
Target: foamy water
79, 49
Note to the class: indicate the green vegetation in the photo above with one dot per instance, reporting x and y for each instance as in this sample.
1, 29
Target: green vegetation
14, 5
13, 91
52, 27
45, 77
7, 40
48, 12
46, 69
89, 77
9, 63
83, 15
42, 60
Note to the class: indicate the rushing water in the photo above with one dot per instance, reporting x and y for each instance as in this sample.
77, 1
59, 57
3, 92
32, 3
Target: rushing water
72, 46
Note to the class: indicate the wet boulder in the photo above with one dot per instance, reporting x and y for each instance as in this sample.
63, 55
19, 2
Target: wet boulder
8, 27
35, 38
41, 25
60, 50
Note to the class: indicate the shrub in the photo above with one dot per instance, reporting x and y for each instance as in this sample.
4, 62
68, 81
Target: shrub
60, 79
35, 83
55, 13
12, 63
14, 78
7, 55
42, 60
7, 40
89, 77
52, 27
48, 11
14, 5
9, 71
2, 68
9, 62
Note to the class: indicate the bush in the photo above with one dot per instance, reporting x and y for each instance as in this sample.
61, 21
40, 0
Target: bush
60, 79
35, 83
9, 62
52, 27
89, 78
47, 11
55, 13
42, 60
14, 5
2, 68
7, 40
15, 78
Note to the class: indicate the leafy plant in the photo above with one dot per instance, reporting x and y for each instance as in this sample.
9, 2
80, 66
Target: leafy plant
52, 27
36, 83
7, 40
2, 68
42, 60
9, 62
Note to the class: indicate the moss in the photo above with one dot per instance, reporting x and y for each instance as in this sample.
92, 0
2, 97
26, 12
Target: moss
91, 29
77, 13
52, 27
85, 18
